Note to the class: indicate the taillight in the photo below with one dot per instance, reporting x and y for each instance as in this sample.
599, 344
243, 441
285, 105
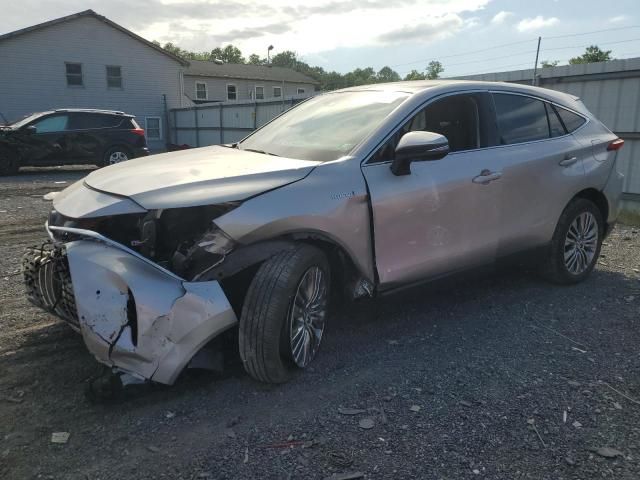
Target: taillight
138, 131
615, 145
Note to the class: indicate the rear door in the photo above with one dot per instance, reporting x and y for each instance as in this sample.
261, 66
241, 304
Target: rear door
91, 133
445, 214
542, 167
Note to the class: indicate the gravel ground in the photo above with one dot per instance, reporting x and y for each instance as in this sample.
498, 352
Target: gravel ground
500, 376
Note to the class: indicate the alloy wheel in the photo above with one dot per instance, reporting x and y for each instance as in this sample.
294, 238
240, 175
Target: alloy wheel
307, 316
117, 157
581, 243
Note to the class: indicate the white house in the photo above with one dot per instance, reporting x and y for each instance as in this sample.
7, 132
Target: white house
214, 82
87, 61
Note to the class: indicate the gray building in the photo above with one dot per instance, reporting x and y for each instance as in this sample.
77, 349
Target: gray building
85, 60
213, 82
611, 90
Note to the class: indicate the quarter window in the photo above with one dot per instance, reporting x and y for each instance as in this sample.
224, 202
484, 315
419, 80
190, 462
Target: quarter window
114, 76
74, 74
153, 128
201, 91
570, 120
54, 123
520, 119
231, 92
277, 92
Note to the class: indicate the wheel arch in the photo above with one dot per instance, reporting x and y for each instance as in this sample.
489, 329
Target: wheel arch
598, 198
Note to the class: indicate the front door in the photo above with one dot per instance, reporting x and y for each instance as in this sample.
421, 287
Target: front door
46, 144
443, 216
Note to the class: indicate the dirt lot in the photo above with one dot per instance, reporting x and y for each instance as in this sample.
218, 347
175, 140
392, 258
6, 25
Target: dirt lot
498, 377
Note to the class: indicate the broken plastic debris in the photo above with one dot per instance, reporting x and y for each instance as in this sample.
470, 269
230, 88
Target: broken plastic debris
415, 408
366, 423
60, 437
350, 411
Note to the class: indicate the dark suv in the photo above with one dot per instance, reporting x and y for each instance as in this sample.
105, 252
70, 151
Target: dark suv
70, 136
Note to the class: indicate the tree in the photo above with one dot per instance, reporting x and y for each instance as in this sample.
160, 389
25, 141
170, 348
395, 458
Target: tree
591, 55
286, 59
415, 75
255, 59
228, 54
434, 69
547, 63
386, 74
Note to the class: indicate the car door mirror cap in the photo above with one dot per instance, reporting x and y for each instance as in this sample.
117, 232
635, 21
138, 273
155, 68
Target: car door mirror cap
418, 146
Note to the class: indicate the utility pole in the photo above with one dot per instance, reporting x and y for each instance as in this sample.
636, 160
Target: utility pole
535, 67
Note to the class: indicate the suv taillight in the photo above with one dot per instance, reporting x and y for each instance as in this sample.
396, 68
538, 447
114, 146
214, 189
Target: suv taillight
615, 145
138, 131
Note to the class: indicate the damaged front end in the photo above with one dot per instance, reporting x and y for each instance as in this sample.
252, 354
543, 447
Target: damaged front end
129, 284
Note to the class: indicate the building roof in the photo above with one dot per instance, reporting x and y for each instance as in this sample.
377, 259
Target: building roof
250, 72
91, 13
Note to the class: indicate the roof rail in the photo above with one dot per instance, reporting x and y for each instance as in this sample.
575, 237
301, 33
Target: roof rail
90, 110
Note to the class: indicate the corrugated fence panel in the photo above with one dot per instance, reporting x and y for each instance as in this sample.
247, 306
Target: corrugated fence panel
238, 116
185, 118
267, 112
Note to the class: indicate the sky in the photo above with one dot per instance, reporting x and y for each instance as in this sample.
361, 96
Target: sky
467, 36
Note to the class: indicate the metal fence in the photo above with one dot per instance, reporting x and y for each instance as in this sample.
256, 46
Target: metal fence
224, 122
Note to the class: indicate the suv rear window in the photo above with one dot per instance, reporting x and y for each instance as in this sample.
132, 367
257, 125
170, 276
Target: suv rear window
520, 118
83, 121
570, 120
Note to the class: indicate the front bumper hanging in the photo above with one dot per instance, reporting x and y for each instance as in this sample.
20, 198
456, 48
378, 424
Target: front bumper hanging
132, 313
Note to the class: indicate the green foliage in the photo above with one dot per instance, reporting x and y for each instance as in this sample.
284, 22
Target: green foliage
434, 69
591, 55
547, 63
415, 75
289, 59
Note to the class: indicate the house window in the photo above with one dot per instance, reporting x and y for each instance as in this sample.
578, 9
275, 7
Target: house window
201, 91
301, 91
114, 76
74, 74
277, 92
231, 92
259, 93
153, 128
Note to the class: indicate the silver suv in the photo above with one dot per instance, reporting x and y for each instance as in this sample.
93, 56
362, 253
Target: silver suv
358, 192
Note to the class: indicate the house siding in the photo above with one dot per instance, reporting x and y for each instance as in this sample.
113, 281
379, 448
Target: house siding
217, 87
34, 79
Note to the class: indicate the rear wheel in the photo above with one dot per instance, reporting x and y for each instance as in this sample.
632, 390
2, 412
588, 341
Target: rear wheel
116, 155
576, 243
284, 314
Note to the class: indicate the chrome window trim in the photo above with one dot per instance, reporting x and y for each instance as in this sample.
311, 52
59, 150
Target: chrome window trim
365, 162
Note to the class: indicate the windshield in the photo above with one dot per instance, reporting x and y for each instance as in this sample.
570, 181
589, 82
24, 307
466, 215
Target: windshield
325, 127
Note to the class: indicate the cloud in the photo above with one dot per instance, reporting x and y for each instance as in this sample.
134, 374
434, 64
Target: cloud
618, 19
252, 32
536, 23
424, 32
500, 17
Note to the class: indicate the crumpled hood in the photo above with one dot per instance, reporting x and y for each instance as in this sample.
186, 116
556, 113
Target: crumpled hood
198, 176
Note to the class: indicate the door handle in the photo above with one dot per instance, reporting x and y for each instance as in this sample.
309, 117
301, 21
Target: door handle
486, 177
568, 161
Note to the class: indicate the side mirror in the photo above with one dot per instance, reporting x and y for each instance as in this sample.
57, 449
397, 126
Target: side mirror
30, 130
416, 147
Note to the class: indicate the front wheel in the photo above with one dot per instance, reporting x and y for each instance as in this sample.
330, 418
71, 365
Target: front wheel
284, 314
576, 243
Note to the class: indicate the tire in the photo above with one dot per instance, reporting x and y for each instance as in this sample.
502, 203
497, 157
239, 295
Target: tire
115, 155
578, 217
266, 323
9, 164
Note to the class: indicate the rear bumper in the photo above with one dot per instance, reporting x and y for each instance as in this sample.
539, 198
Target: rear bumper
141, 152
132, 314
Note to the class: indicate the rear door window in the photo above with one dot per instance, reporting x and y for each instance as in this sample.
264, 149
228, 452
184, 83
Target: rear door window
84, 121
570, 120
555, 124
520, 119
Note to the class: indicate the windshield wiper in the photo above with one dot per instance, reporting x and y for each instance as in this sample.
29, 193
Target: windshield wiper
258, 151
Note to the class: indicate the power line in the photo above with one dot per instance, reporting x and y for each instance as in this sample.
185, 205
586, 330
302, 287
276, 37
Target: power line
589, 33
